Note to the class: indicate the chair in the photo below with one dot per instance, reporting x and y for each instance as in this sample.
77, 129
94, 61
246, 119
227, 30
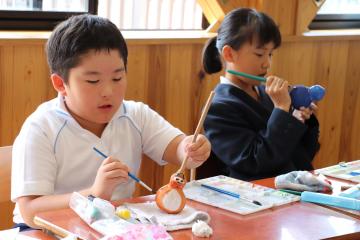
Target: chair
6, 206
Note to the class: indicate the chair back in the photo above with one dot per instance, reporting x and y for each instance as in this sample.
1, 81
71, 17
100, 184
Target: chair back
6, 206
5, 173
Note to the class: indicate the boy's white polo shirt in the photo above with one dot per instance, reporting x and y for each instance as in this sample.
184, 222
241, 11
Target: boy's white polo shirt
53, 154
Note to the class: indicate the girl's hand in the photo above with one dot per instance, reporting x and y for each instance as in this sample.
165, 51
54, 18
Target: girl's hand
304, 114
278, 91
314, 108
111, 173
197, 152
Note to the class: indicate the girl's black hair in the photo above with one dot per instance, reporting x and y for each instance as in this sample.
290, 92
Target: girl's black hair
238, 27
78, 35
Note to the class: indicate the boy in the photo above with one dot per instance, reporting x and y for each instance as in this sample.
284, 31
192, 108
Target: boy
53, 154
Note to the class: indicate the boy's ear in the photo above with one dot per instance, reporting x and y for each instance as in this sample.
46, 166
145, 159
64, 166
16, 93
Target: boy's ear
58, 83
228, 53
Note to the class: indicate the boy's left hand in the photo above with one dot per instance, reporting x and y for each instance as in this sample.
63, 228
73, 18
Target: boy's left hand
197, 152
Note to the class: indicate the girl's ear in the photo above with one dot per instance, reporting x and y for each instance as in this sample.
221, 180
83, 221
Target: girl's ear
58, 83
228, 53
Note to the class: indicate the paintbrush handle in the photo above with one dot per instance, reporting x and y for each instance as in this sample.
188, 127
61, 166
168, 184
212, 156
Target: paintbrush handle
199, 126
203, 115
232, 194
139, 181
129, 173
219, 190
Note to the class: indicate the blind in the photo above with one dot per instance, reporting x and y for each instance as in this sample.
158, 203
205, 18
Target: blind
152, 14
340, 7
45, 5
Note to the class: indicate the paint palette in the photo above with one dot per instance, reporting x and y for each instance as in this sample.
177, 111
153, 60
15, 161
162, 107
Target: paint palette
268, 197
344, 170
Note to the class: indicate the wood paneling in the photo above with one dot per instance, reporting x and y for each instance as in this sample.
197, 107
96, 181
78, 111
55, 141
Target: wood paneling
323, 63
7, 130
350, 127
283, 12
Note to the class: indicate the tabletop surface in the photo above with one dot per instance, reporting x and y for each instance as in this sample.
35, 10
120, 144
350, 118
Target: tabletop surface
299, 220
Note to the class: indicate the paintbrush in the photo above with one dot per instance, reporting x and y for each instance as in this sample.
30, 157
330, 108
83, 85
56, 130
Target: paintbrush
232, 194
198, 129
130, 174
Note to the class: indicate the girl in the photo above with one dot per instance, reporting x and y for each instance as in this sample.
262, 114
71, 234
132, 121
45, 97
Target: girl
253, 129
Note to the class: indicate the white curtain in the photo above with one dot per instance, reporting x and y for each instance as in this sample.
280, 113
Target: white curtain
152, 14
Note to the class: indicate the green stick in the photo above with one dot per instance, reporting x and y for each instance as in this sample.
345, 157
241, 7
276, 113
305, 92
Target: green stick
261, 79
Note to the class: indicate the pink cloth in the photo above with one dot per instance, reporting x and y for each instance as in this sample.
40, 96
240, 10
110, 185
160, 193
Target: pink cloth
142, 231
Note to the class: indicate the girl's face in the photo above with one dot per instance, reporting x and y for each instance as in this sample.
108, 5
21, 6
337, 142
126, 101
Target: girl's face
251, 59
96, 88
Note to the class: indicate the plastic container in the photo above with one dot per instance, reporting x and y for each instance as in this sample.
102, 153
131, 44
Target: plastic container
332, 200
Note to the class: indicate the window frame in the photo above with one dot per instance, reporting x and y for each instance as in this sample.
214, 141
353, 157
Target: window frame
335, 21
38, 20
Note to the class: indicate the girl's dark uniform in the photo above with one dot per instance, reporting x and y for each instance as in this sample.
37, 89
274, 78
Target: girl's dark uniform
252, 140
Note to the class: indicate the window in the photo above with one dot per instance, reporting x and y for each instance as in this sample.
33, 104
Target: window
337, 14
126, 14
152, 14
41, 14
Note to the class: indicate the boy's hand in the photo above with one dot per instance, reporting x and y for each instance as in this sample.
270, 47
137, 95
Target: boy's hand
278, 91
197, 152
304, 114
109, 175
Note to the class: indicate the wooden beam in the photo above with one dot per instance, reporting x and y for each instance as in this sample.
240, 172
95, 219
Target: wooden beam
306, 11
213, 13
214, 26
228, 5
292, 16
215, 10
282, 11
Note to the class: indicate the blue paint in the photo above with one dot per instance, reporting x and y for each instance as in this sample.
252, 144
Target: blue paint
354, 173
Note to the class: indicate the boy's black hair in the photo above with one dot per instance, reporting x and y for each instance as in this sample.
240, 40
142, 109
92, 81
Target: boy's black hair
76, 36
238, 27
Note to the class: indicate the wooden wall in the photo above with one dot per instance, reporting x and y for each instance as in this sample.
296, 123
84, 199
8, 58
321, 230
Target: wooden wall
331, 64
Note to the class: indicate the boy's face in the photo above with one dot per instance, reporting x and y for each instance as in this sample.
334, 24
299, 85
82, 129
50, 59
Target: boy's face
252, 59
96, 88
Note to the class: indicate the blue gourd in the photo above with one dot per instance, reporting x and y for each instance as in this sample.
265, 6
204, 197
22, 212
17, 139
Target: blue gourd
302, 96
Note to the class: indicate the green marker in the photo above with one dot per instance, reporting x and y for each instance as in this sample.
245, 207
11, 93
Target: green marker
257, 78
290, 191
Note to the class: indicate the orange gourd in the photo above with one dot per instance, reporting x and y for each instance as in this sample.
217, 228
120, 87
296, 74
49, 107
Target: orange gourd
171, 198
